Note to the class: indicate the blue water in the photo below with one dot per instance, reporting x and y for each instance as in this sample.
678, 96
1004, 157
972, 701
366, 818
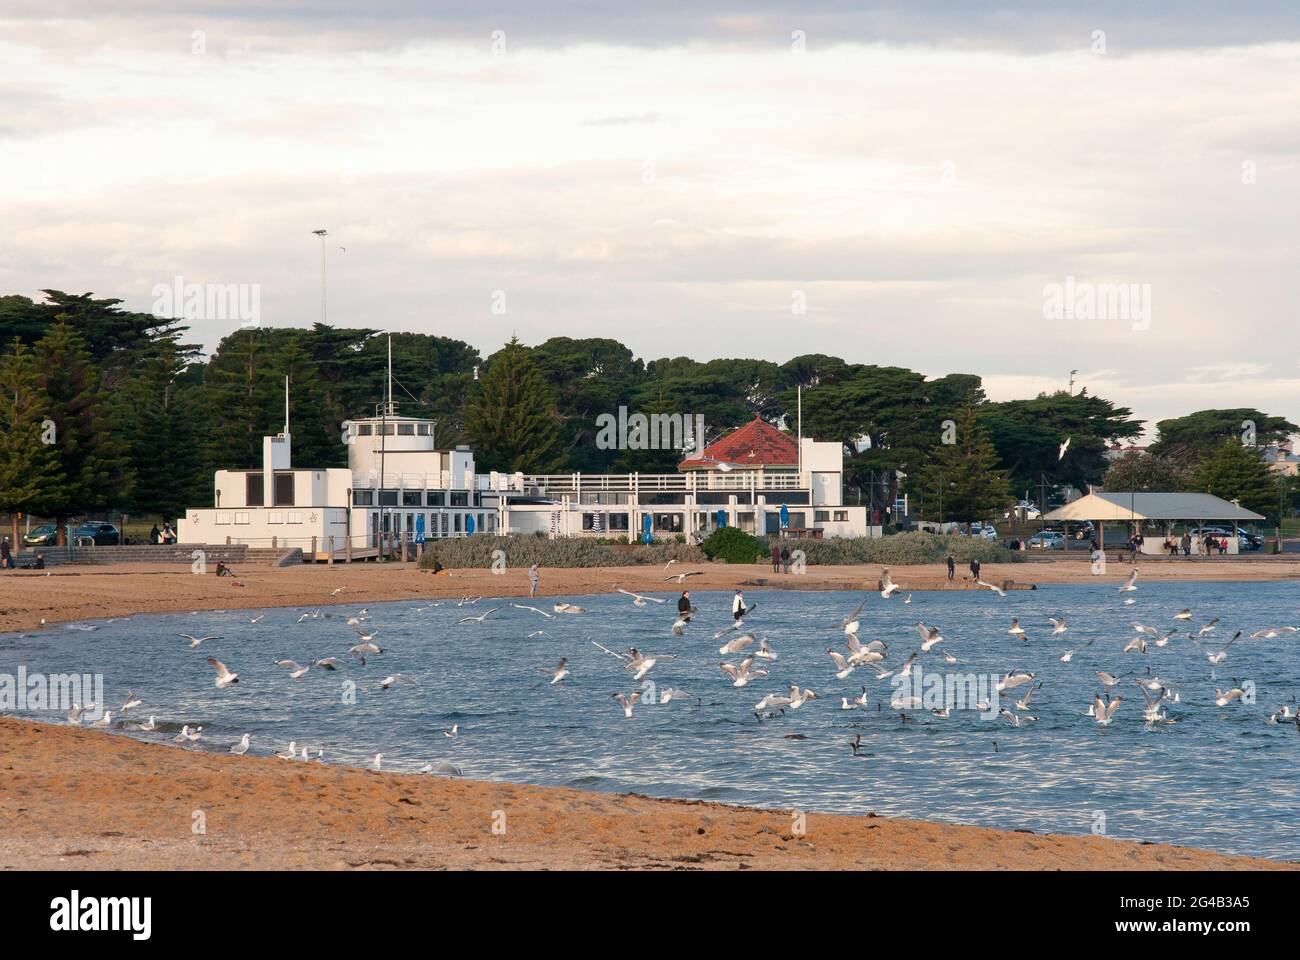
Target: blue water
1219, 778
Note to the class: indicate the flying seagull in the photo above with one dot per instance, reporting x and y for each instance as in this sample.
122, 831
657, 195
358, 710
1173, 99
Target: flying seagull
195, 641
224, 677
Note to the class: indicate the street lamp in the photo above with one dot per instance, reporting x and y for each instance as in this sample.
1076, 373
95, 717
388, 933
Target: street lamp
322, 234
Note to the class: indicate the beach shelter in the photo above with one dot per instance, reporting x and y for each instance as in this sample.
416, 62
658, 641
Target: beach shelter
1166, 508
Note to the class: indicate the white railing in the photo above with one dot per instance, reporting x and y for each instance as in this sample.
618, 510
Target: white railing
748, 480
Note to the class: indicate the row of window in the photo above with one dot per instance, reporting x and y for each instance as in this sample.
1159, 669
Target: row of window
393, 429
281, 490
412, 498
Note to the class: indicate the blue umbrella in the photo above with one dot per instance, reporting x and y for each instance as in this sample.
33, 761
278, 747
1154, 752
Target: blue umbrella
469, 523
722, 518
645, 528
785, 515
419, 528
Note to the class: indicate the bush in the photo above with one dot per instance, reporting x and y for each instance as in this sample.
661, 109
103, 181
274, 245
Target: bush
904, 548
527, 549
733, 545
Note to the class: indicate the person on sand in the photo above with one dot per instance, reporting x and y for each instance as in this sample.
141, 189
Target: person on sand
952, 566
532, 581
1186, 544
785, 559
776, 558
6, 555
738, 608
975, 569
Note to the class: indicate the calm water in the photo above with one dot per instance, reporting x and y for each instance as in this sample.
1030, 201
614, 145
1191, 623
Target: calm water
1219, 778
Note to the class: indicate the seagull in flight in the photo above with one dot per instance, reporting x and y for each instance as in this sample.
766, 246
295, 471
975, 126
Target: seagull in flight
1218, 658
1131, 584
480, 618
627, 702
563, 607
744, 673
326, 663
681, 577
559, 672
1060, 453
843, 667
296, 670
929, 637
737, 644
1103, 712
1069, 654
1058, 625
886, 584
764, 652
396, 678
361, 649
638, 600
195, 641
224, 676
1000, 591
1183, 614
1223, 698
130, 703
1016, 630
524, 606
642, 663
850, 623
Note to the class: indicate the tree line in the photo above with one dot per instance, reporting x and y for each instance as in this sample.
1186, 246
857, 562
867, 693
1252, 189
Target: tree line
142, 418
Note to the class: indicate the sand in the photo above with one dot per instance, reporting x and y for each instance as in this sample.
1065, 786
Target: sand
79, 799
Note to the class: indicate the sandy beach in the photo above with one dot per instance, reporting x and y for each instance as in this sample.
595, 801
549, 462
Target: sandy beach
81, 799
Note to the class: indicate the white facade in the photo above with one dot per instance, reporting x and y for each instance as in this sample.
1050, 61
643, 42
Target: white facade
397, 482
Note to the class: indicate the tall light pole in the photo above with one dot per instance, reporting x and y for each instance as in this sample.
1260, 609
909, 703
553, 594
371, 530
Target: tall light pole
322, 234
1071, 388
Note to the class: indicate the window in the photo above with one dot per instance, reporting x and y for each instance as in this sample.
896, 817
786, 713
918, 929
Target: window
293, 516
821, 516
275, 516
422, 429
363, 498
386, 429
618, 521
241, 518
406, 429
412, 498
284, 490
459, 498
457, 522
253, 496
437, 499
388, 498
841, 516
364, 430
223, 518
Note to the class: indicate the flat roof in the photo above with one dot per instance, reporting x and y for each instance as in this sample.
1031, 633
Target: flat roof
1152, 506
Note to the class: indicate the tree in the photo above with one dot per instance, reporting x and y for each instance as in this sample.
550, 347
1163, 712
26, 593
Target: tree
93, 470
29, 469
961, 481
513, 421
1235, 472
1146, 472
1197, 435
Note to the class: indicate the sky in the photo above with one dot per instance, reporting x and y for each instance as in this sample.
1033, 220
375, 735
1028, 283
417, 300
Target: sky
911, 184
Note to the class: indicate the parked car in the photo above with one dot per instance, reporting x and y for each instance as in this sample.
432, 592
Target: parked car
46, 535
1047, 540
100, 534
983, 530
1248, 541
1024, 510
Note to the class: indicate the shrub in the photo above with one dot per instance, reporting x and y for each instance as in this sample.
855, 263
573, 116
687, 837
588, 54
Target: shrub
904, 548
527, 549
733, 545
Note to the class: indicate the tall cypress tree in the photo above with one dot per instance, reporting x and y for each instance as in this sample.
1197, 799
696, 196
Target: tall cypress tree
513, 421
961, 481
29, 469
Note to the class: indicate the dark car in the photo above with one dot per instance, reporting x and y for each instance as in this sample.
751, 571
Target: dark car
46, 535
100, 534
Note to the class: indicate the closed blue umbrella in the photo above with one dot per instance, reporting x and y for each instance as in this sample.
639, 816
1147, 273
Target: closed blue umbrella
419, 528
469, 523
645, 528
785, 516
722, 518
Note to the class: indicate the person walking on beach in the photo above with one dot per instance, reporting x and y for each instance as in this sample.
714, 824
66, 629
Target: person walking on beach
975, 569
952, 566
532, 581
785, 559
6, 556
776, 558
738, 608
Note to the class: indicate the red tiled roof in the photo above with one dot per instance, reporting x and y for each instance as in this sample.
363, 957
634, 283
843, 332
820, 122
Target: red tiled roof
756, 444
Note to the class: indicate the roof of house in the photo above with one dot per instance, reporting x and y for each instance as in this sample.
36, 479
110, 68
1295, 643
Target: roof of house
1151, 506
756, 444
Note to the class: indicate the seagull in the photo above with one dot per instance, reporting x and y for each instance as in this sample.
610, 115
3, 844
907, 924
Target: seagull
737, 644
560, 671
1165, 638
523, 606
290, 752
1069, 654
479, 619
1104, 712
105, 720
1000, 591
799, 697
256, 618
886, 584
1131, 584
361, 649
769, 701
642, 664
671, 693
1060, 453
1208, 628
195, 641
395, 678
336, 591
1023, 704
1222, 698
563, 607
638, 600
850, 623
679, 625
366, 637
443, 767
929, 637
1138, 643
1108, 680
326, 663
871, 652
131, 702
1183, 614
241, 748
224, 677
187, 735
681, 577
1272, 632
764, 652
147, 727
1015, 678
743, 674
377, 763
627, 702
535, 633
1016, 629
296, 670
1218, 658
1058, 625
843, 667
906, 669
1014, 720
452, 731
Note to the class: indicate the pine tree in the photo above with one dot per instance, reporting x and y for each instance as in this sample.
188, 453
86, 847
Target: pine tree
961, 481
1235, 472
512, 421
95, 473
29, 469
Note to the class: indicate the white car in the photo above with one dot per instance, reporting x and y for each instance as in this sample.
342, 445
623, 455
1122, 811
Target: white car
1024, 510
985, 530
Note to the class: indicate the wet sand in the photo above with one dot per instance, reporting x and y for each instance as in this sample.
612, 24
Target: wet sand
81, 799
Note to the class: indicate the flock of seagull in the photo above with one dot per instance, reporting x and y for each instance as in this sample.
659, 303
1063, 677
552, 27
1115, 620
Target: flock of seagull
748, 658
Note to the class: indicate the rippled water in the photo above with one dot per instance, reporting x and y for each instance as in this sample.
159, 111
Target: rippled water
1219, 778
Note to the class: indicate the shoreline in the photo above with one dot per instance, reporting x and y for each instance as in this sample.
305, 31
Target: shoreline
74, 798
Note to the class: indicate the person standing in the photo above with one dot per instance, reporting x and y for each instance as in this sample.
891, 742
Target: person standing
975, 569
785, 558
738, 608
684, 605
6, 555
776, 558
1186, 544
532, 581
952, 566
155, 535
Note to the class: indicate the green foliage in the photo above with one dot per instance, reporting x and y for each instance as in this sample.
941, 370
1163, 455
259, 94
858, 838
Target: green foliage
525, 550
512, 421
733, 545
904, 548
1234, 472
1148, 473
961, 481
1197, 435
29, 469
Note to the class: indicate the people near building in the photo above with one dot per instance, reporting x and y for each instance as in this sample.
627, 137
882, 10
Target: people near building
785, 558
155, 535
952, 566
168, 534
975, 569
738, 608
6, 555
1186, 543
776, 558
532, 580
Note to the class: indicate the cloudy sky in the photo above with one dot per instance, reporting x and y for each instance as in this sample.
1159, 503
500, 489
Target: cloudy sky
898, 184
